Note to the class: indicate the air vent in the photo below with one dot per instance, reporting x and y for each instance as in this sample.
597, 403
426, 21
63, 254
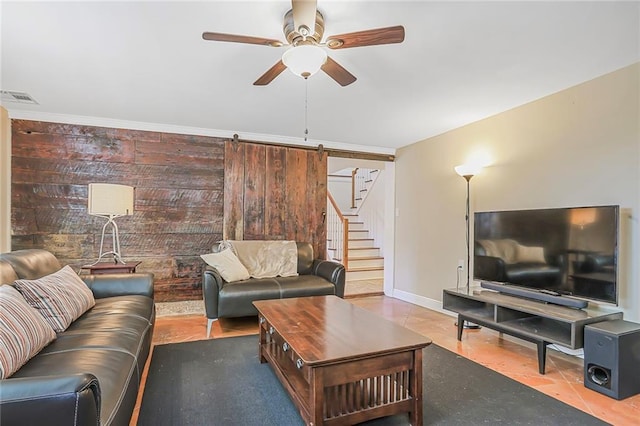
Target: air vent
21, 97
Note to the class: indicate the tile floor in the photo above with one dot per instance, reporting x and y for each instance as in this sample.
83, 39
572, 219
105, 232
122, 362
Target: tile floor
512, 357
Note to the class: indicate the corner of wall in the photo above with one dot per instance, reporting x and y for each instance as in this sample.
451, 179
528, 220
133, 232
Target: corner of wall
5, 181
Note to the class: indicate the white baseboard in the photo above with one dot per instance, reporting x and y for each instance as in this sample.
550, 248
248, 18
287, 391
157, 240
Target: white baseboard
425, 302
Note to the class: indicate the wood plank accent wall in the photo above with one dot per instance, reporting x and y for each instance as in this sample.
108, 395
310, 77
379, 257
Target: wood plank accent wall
275, 193
188, 192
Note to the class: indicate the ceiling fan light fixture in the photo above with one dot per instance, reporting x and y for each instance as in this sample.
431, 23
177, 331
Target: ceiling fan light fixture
304, 60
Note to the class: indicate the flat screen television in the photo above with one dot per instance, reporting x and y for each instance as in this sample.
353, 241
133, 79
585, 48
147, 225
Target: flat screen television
571, 251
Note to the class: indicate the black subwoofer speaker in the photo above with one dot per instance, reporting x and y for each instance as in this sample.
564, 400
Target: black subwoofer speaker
612, 358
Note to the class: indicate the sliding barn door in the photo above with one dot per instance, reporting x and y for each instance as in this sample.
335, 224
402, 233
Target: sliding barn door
275, 193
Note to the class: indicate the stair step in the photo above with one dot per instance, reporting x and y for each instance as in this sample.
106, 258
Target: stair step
358, 234
364, 274
365, 268
356, 226
363, 251
360, 243
369, 262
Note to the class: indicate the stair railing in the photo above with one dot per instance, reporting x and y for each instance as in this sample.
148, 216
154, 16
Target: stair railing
337, 232
371, 213
365, 180
354, 188
361, 180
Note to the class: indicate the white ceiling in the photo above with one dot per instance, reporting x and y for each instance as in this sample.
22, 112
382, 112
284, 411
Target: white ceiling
145, 65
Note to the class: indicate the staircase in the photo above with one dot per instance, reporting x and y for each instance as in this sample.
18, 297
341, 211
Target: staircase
347, 231
365, 262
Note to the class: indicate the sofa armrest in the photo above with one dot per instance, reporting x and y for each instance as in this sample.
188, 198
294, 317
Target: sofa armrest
211, 285
331, 271
597, 263
50, 400
555, 259
489, 268
109, 285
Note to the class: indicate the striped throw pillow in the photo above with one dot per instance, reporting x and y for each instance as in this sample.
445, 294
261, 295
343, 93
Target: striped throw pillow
23, 331
60, 297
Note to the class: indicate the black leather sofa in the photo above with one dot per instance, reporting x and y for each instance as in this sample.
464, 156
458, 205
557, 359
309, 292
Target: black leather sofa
90, 374
227, 300
546, 274
595, 262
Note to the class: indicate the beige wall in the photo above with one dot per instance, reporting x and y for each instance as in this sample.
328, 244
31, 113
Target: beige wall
5, 181
577, 147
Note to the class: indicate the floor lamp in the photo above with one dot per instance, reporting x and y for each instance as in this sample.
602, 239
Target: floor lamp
110, 201
467, 171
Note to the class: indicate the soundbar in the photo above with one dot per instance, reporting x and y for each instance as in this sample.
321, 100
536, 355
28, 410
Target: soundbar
541, 295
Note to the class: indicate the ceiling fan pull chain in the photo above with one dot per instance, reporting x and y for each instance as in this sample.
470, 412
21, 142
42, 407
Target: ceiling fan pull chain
306, 102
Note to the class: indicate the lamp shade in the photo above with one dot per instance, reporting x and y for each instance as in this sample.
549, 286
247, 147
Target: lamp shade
107, 199
583, 216
469, 169
304, 60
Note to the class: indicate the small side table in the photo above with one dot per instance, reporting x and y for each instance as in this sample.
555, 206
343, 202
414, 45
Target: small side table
112, 268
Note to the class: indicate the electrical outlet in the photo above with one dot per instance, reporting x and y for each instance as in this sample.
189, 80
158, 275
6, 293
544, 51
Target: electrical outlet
461, 263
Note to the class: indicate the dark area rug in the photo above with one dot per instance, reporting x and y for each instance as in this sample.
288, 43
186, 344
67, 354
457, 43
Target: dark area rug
221, 382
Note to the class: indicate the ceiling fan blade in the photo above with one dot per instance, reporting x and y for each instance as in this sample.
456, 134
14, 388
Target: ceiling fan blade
388, 35
338, 72
271, 73
241, 39
304, 15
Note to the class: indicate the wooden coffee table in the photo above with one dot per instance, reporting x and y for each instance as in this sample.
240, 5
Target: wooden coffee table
340, 363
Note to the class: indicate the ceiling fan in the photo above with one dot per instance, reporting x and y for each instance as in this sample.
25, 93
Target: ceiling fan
303, 29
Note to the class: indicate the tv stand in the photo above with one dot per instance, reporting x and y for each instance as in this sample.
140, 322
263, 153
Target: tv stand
530, 320
542, 295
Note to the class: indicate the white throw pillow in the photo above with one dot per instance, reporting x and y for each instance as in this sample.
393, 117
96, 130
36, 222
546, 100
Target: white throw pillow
60, 297
23, 331
227, 264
